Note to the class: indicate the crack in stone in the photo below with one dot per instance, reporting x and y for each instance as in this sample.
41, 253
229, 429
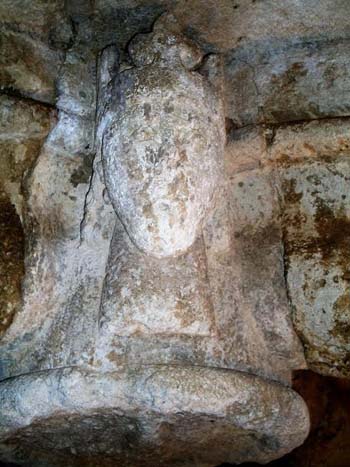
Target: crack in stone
16, 94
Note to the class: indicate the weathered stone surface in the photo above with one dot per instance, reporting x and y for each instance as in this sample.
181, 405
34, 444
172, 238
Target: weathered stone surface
196, 309
175, 334
325, 141
223, 25
317, 248
159, 303
68, 229
28, 66
298, 79
282, 62
221, 304
73, 97
163, 149
104, 305
245, 270
104, 22
11, 261
277, 55
147, 416
36, 18
34, 34
311, 165
23, 128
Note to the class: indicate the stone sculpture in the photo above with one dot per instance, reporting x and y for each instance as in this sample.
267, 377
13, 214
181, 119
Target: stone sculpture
150, 331
163, 149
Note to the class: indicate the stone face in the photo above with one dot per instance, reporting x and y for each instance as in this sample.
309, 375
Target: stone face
201, 308
163, 149
160, 341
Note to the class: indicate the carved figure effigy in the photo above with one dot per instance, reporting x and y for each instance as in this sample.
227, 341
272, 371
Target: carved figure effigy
155, 346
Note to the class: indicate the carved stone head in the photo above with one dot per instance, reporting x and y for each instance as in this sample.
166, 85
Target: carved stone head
163, 150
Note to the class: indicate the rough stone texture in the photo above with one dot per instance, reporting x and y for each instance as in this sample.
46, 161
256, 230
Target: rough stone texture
317, 246
11, 261
23, 127
36, 18
224, 25
276, 81
313, 164
197, 308
163, 148
245, 270
327, 445
28, 66
197, 302
69, 226
310, 163
135, 340
290, 50
326, 141
150, 416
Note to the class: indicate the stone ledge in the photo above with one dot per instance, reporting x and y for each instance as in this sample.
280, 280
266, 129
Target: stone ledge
153, 413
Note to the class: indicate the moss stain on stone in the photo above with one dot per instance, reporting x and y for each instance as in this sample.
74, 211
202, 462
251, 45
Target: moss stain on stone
332, 228
341, 307
290, 194
328, 242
